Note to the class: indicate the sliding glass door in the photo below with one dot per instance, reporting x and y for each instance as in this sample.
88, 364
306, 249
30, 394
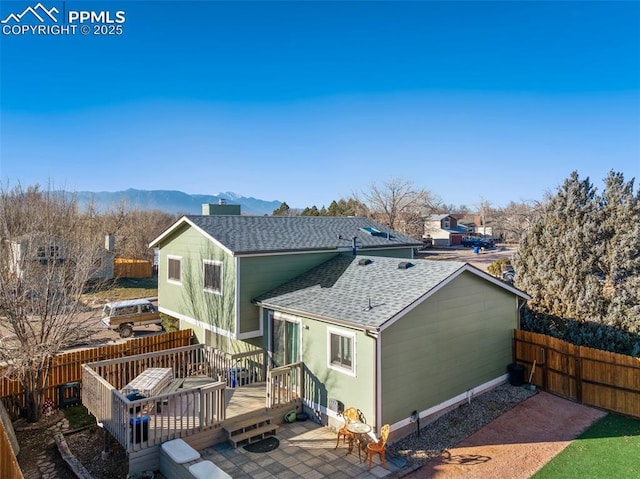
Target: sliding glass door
285, 339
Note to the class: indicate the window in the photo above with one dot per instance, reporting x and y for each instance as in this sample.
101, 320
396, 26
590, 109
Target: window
174, 266
341, 351
213, 276
48, 253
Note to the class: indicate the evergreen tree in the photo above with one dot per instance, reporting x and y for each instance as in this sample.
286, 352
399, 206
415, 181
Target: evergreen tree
556, 258
313, 211
619, 252
282, 210
581, 257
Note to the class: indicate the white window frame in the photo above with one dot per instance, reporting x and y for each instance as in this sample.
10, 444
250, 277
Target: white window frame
345, 334
173, 280
206, 262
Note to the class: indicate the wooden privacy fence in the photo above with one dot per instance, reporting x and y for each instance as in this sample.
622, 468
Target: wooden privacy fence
9, 466
132, 268
66, 368
588, 376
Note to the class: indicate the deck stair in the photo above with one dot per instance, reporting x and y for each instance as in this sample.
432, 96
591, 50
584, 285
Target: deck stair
250, 430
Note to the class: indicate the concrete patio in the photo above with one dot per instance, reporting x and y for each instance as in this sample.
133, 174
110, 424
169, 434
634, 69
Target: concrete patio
306, 450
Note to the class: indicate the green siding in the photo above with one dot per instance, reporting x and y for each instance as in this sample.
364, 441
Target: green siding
259, 274
324, 383
189, 298
457, 339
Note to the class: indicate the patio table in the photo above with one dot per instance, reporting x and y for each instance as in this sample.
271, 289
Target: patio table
150, 382
358, 428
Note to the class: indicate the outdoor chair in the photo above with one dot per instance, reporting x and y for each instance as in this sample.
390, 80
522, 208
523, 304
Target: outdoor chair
349, 415
379, 447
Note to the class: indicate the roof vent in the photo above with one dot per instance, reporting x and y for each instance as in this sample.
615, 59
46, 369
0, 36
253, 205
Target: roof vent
364, 261
404, 265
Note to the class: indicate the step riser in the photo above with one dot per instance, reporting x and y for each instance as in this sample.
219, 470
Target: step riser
250, 431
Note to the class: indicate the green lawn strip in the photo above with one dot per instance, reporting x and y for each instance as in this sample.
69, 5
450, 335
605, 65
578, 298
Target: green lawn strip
608, 448
122, 289
78, 416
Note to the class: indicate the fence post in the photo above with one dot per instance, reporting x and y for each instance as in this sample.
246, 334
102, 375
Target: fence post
545, 372
578, 378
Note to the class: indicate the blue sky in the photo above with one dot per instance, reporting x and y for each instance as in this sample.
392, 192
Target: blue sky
307, 102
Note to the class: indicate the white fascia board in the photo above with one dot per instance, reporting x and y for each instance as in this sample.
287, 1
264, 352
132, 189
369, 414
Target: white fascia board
209, 327
460, 398
196, 322
497, 282
185, 220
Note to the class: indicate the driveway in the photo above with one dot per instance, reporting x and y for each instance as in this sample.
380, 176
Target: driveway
517, 444
459, 253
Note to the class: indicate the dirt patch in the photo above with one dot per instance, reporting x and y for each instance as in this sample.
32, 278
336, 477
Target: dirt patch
87, 446
39, 456
515, 445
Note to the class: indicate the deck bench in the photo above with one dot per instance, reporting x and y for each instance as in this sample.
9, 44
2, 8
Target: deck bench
207, 470
176, 456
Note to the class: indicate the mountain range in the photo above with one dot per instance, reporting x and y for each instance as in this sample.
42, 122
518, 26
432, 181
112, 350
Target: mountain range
173, 201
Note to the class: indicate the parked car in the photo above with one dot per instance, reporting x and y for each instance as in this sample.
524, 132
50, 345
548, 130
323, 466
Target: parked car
122, 316
471, 241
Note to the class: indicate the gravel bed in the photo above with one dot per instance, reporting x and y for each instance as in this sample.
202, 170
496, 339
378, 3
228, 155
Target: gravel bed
458, 424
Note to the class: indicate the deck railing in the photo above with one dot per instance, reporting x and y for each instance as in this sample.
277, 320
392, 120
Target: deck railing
141, 423
238, 369
285, 385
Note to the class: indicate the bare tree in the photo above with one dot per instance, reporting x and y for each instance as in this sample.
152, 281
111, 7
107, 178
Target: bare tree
397, 197
513, 221
48, 254
134, 229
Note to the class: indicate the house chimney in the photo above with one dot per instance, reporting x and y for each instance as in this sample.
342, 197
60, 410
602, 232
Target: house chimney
109, 243
222, 208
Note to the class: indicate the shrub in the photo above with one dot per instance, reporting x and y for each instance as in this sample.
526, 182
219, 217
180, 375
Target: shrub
498, 266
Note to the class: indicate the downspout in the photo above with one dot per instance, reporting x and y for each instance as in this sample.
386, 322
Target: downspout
377, 392
520, 304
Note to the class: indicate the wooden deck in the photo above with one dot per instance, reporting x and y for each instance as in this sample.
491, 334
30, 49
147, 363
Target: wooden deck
201, 404
183, 413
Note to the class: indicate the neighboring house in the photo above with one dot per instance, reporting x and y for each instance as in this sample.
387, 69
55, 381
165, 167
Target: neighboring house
444, 230
476, 224
211, 267
47, 251
393, 336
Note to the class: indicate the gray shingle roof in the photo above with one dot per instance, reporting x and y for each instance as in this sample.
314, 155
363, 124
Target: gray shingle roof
245, 234
341, 289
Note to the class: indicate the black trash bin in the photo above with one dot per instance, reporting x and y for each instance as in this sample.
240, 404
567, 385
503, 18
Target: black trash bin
516, 374
141, 425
